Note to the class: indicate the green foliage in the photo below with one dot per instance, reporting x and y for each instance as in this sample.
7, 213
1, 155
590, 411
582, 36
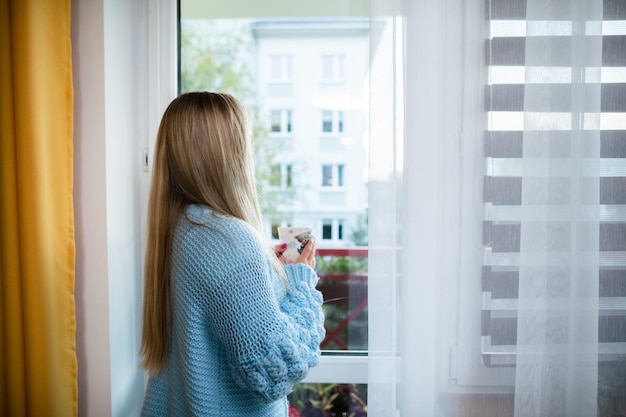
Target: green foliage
329, 400
340, 265
358, 235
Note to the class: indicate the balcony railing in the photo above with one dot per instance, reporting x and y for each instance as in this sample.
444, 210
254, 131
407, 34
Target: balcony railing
343, 283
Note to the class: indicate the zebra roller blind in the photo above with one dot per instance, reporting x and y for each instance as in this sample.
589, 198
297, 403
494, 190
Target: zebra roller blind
555, 172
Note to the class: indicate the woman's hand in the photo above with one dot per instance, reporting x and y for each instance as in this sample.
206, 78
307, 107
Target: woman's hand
307, 256
278, 250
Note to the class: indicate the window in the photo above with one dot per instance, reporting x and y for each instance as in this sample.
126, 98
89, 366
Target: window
275, 175
275, 227
288, 177
520, 123
471, 234
332, 121
333, 67
327, 229
279, 91
280, 121
280, 68
332, 175
281, 175
332, 229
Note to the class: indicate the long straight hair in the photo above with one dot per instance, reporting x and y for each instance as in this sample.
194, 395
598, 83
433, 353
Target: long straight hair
203, 155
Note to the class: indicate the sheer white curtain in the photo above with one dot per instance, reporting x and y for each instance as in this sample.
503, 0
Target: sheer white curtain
485, 207
557, 328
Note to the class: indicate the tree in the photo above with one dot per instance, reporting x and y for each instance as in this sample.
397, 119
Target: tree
217, 55
358, 235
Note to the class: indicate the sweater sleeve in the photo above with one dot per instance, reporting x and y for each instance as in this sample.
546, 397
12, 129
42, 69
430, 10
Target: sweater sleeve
270, 344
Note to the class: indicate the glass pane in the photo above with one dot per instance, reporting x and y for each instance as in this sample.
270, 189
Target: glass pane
289, 181
276, 121
327, 121
327, 230
327, 67
279, 68
275, 175
327, 175
328, 400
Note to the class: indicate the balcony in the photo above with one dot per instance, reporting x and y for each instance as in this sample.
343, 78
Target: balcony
343, 283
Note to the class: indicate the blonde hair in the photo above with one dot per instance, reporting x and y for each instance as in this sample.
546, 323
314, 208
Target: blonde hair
203, 155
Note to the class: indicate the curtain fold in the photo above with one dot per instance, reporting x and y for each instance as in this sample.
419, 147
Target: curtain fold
558, 301
38, 369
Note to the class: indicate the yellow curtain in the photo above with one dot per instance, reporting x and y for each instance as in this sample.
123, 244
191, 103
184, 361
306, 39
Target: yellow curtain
38, 369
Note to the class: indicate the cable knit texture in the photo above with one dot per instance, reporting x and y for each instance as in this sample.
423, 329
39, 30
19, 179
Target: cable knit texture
240, 340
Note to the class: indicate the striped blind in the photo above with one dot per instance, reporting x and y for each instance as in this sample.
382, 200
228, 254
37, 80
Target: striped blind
511, 82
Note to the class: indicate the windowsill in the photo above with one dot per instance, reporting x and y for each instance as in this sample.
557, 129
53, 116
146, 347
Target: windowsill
346, 369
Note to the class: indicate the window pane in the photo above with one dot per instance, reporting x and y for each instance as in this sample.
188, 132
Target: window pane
276, 121
256, 60
275, 175
327, 230
327, 175
327, 67
327, 121
275, 230
276, 67
289, 181
288, 121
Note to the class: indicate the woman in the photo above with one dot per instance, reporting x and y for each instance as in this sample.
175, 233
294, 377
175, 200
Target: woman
227, 328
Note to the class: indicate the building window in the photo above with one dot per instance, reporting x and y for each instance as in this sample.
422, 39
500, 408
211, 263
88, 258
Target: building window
280, 68
281, 175
333, 67
332, 121
332, 229
280, 121
340, 175
275, 175
275, 227
289, 175
327, 229
332, 175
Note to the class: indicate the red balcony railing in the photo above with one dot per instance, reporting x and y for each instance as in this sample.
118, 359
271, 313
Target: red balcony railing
343, 283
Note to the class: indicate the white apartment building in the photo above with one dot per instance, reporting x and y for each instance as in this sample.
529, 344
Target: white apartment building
312, 82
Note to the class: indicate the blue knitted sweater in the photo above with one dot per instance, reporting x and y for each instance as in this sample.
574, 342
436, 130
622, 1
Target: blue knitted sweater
240, 339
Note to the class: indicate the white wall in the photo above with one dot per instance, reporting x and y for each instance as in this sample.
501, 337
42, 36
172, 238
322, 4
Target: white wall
92, 301
118, 61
